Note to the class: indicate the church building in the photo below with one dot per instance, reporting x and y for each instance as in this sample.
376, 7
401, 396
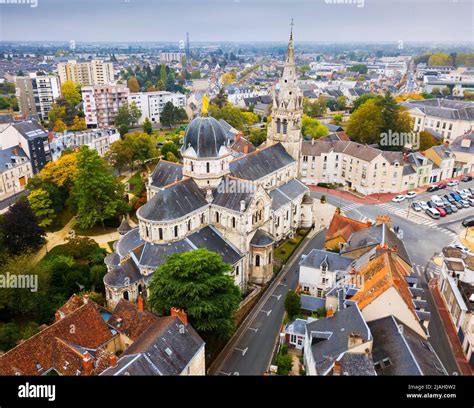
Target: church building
237, 202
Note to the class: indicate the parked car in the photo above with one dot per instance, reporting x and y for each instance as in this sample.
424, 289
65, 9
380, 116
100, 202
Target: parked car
453, 183
471, 190
449, 198
458, 204
431, 204
416, 206
437, 200
466, 178
470, 201
468, 222
457, 197
442, 185
462, 248
433, 213
448, 209
423, 205
446, 203
431, 189
467, 192
441, 211
462, 194
398, 199
410, 194
465, 204
454, 208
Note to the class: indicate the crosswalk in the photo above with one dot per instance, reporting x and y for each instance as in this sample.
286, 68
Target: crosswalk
419, 270
351, 207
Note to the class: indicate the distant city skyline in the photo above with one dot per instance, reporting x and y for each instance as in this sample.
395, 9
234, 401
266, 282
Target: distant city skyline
239, 20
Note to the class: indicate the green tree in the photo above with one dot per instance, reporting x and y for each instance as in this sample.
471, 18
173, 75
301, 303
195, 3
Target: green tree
337, 119
9, 335
169, 147
71, 92
365, 124
220, 99
147, 126
440, 59
341, 102
316, 108
96, 193
361, 100
359, 68
167, 115
313, 127
199, 283
292, 304
42, 207
284, 361
19, 228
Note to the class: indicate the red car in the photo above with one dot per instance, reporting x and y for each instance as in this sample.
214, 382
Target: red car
442, 211
442, 185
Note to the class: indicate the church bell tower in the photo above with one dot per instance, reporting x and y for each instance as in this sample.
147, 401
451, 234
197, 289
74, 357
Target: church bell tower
287, 110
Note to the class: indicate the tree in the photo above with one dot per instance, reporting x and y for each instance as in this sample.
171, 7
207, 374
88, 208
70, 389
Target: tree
257, 136
9, 335
128, 114
169, 147
313, 127
120, 155
292, 304
167, 115
143, 146
359, 68
337, 119
135, 113
427, 140
78, 124
96, 192
59, 126
61, 172
220, 99
284, 361
42, 207
133, 85
171, 157
228, 78
316, 108
163, 73
71, 92
123, 129
20, 228
341, 102
365, 124
199, 283
440, 59
361, 100
147, 126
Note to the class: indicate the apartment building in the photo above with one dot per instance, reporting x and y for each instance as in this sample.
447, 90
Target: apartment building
151, 104
95, 139
15, 170
36, 94
95, 72
31, 138
102, 102
448, 118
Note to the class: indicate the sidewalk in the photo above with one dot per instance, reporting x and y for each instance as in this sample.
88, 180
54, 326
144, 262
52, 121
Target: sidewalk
463, 365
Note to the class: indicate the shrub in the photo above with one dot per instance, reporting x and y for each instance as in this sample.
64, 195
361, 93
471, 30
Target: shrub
284, 362
323, 198
293, 241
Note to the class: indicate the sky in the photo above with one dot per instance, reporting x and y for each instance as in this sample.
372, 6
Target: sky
238, 20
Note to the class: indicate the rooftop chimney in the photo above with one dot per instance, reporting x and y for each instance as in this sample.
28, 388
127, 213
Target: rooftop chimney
337, 368
113, 360
329, 312
355, 339
87, 364
141, 302
246, 148
180, 314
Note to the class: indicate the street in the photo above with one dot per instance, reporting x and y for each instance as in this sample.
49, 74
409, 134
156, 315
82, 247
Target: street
253, 348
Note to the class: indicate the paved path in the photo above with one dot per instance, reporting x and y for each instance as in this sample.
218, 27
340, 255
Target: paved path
464, 366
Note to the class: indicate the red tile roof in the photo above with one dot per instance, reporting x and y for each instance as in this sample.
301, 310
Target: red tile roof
344, 227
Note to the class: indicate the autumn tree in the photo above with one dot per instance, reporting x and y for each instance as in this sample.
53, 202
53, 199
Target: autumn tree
133, 85
313, 127
71, 92
42, 207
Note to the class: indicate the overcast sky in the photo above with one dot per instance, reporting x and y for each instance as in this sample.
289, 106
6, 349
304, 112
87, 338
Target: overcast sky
238, 20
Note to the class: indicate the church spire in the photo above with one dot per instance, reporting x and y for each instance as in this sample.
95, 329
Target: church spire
290, 58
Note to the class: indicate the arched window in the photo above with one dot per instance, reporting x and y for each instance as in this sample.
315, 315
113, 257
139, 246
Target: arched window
208, 167
270, 257
203, 218
234, 223
140, 288
192, 166
160, 233
222, 166
175, 231
147, 231
217, 217
285, 126
125, 295
237, 270
278, 125
189, 225
257, 260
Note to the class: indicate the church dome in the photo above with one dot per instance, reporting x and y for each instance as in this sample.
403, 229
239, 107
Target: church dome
206, 136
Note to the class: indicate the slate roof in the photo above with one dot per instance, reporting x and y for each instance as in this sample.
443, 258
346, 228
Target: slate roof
334, 336
6, 156
128, 242
124, 274
335, 262
166, 173
357, 364
30, 129
312, 303
373, 236
408, 352
175, 201
261, 238
258, 164
231, 191
357, 150
206, 136
456, 145
287, 192
163, 349
444, 108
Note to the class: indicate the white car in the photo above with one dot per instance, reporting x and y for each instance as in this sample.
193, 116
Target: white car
410, 194
398, 199
467, 192
463, 195
453, 183
462, 248
423, 205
